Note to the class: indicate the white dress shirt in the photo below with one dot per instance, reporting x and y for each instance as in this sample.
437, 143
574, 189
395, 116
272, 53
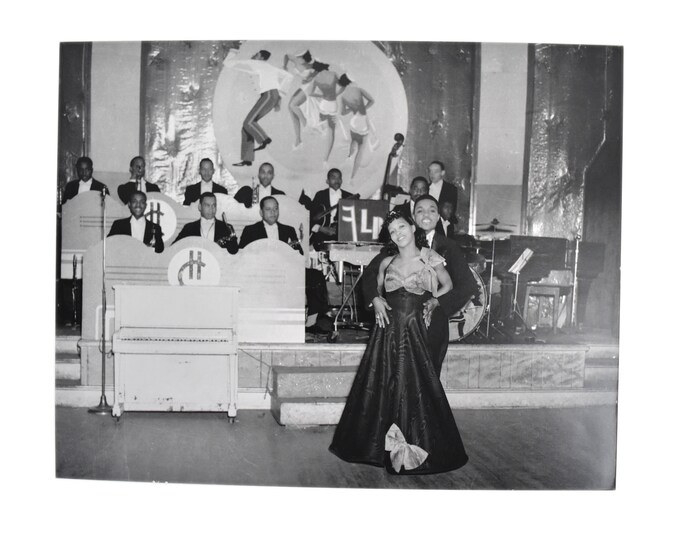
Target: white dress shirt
271, 230
140, 185
334, 195
137, 227
206, 186
263, 192
208, 229
84, 186
430, 237
436, 189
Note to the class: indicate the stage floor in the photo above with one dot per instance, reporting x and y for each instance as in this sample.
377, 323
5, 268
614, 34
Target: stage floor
572, 448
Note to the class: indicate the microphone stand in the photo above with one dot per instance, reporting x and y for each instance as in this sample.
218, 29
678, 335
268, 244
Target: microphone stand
103, 407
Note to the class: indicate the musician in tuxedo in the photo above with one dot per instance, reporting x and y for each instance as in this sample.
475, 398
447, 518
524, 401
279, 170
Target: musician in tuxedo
439, 188
137, 225
209, 228
265, 175
426, 216
419, 187
85, 182
325, 228
270, 227
137, 181
445, 225
206, 169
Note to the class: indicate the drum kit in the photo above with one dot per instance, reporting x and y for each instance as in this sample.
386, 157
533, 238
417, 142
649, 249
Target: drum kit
469, 319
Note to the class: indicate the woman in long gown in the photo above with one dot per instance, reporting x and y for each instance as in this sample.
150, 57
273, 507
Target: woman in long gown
396, 415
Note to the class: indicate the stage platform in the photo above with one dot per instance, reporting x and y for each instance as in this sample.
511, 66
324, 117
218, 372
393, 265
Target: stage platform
306, 384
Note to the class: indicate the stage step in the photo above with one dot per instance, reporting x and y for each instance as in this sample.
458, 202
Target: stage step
67, 367
602, 367
67, 344
313, 382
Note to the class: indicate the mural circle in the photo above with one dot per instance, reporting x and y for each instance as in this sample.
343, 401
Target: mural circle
314, 126
160, 212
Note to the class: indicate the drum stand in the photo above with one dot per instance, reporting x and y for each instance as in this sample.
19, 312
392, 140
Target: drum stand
354, 322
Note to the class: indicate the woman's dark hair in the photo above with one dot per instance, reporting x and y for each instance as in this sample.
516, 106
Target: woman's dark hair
420, 236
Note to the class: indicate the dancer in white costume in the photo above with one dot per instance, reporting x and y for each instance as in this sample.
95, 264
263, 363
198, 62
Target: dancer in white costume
356, 100
303, 109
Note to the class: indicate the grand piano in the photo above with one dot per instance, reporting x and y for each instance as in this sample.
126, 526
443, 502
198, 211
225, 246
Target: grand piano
552, 256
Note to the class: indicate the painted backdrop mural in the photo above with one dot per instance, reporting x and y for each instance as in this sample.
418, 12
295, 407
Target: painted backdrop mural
313, 106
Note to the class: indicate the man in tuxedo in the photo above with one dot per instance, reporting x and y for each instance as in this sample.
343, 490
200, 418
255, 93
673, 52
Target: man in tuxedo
137, 225
426, 215
419, 187
193, 192
265, 189
326, 228
445, 225
270, 227
439, 188
137, 181
208, 227
85, 182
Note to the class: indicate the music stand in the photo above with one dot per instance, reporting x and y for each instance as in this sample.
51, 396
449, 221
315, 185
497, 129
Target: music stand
516, 268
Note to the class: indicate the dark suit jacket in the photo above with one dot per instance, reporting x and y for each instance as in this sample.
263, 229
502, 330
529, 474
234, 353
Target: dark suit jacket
128, 188
449, 192
71, 188
464, 284
440, 229
321, 202
245, 195
193, 192
123, 227
221, 231
256, 231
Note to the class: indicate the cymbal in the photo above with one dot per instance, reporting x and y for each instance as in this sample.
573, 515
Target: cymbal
494, 221
493, 228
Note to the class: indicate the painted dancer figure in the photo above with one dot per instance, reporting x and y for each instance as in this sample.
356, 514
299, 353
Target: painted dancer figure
326, 89
270, 81
304, 110
397, 415
356, 100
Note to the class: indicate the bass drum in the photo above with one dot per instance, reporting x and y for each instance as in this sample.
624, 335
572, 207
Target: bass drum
466, 321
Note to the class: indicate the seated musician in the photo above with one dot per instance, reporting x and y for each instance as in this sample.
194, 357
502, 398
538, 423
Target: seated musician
265, 175
85, 181
419, 187
426, 216
324, 212
137, 225
445, 225
270, 227
193, 192
440, 189
137, 181
219, 231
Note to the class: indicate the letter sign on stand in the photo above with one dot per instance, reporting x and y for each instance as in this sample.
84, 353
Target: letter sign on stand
360, 221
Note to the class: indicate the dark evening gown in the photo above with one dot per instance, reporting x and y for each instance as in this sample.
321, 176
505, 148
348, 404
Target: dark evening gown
396, 415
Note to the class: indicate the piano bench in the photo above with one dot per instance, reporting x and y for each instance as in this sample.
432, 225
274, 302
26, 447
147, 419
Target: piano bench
551, 290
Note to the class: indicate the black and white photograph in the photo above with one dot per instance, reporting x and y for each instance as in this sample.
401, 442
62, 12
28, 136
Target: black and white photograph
368, 268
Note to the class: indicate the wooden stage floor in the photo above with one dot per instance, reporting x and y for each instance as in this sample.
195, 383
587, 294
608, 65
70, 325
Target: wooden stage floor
523, 449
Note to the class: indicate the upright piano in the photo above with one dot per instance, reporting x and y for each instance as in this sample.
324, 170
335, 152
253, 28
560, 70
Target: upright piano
175, 349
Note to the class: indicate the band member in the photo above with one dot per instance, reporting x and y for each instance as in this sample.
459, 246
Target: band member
439, 188
419, 187
445, 225
137, 181
85, 181
137, 225
270, 82
265, 175
209, 228
426, 216
270, 227
206, 169
324, 212
356, 100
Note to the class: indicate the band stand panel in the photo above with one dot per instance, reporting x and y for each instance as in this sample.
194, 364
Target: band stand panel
185, 358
